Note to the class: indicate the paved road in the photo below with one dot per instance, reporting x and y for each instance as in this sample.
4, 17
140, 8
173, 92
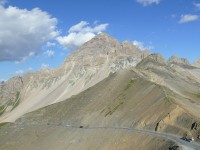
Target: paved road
171, 137
151, 133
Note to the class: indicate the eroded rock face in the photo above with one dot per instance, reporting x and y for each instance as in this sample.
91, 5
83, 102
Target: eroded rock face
195, 126
152, 60
130, 48
10, 94
177, 60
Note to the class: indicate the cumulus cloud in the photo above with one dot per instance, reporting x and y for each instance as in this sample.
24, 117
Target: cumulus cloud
79, 34
141, 45
44, 66
188, 18
49, 53
19, 72
74, 40
148, 2
23, 32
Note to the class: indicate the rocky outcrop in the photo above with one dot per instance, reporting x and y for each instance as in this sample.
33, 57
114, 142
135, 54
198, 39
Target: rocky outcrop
10, 93
152, 60
195, 126
177, 60
130, 48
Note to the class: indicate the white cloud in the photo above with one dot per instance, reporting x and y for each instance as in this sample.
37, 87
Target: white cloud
79, 34
44, 66
19, 72
23, 32
75, 40
49, 53
148, 2
141, 46
197, 5
50, 44
84, 27
188, 18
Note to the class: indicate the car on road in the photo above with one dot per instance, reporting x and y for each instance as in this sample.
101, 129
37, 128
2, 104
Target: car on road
187, 139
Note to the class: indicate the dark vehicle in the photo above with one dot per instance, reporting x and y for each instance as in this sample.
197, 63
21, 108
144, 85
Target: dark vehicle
81, 127
187, 139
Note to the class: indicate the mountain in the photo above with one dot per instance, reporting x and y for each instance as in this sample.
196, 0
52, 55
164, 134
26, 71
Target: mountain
105, 96
83, 68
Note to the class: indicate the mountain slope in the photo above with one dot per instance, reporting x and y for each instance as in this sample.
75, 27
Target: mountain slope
183, 80
123, 100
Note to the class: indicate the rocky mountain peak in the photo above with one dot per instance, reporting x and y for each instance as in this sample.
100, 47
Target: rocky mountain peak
127, 44
156, 58
129, 48
101, 43
100, 46
151, 60
104, 37
177, 60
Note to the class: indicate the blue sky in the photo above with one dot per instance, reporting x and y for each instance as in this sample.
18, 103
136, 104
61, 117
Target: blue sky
38, 34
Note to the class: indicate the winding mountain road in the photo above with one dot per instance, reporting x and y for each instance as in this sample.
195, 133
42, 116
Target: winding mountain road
185, 145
